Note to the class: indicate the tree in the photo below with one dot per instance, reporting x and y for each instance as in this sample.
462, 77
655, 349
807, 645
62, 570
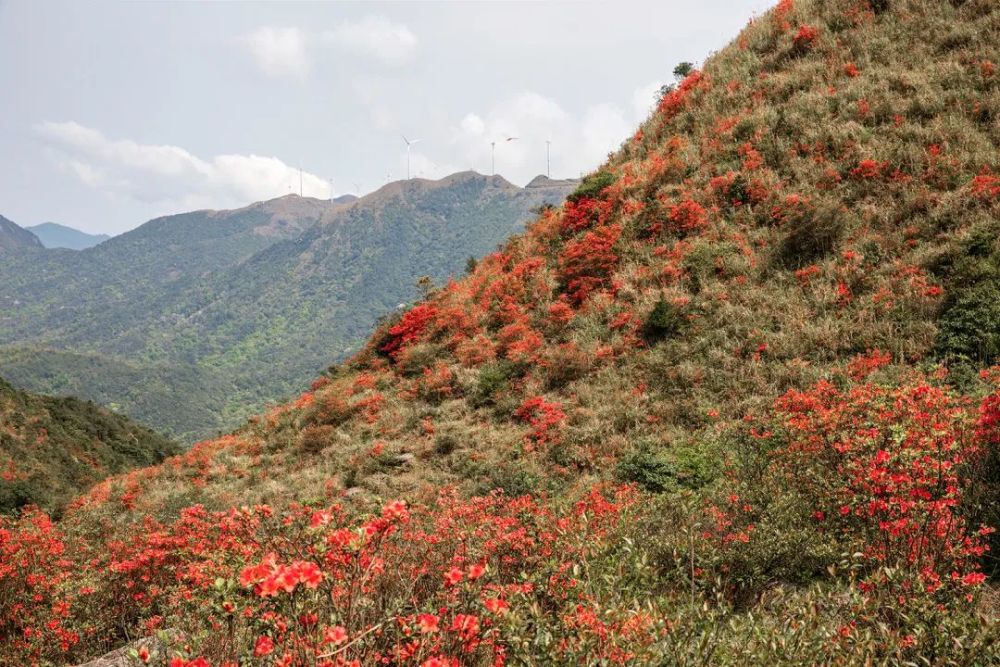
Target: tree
683, 69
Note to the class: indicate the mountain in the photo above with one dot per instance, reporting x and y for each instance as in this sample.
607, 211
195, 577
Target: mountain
14, 238
220, 312
734, 403
53, 235
52, 449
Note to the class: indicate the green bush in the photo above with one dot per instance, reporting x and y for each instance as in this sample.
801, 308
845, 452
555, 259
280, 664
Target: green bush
647, 470
492, 378
593, 185
663, 321
969, 325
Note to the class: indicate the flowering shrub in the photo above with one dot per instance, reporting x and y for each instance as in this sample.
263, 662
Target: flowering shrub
805, 38
880, 470
586, 263
986, 187
687, 216
454, 583
544, 418
409, 329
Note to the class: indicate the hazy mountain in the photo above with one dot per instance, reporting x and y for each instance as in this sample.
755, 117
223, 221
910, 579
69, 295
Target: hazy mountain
54, 235
13, 237
251, 302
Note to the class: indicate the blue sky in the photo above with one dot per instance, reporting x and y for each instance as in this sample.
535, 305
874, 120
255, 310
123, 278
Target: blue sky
118, 112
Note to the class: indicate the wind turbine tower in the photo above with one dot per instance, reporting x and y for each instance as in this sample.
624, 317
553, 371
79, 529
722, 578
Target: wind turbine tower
408, 145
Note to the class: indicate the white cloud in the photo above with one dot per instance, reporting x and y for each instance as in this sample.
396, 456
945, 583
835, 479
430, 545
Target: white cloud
279, 52
472, 124
289, 52
375, 37
578, 143
169, 175
645, 98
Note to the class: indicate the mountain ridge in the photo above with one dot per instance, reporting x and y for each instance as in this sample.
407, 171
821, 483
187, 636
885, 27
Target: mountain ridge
231, 296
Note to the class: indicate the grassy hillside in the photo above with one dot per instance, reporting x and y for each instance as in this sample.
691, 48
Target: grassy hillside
733, 404
52, 449
248, 304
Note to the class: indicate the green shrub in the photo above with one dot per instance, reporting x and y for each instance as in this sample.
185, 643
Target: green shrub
647, 470
593, 185
684, 468
492, 378
445, 443
513, 479
969, 325
663, 321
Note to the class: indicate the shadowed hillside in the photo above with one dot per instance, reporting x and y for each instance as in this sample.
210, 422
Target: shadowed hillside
52, 449
734, 403
14, 239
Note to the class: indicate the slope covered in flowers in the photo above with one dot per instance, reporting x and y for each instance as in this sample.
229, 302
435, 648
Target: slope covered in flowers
734, 403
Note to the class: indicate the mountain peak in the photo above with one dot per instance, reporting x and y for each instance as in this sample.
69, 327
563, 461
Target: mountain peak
543, 181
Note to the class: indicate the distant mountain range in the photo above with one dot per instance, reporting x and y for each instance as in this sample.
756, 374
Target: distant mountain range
54, 235
192, 322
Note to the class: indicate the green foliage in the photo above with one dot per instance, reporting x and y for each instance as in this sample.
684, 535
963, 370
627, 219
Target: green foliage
648, 470
593, 185
969, 326
659, 471
683, 69
663, 321
969, 322
493, 379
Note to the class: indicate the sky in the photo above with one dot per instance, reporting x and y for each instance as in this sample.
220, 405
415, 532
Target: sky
115, 113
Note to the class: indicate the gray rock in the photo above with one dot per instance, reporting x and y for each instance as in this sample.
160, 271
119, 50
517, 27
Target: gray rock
158, 645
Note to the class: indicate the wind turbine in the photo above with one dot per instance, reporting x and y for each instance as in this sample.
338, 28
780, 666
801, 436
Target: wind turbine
408, 144
548, 164
493, 155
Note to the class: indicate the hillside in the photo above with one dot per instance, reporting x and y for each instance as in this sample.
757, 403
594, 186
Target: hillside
52, 449
734, 403
14, 238
54, 235
227, 311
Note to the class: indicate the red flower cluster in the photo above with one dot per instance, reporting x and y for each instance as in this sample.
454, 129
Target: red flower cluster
410, 328
586, 263
544, 418
986, 187
687, 216
805, 38
885, 465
